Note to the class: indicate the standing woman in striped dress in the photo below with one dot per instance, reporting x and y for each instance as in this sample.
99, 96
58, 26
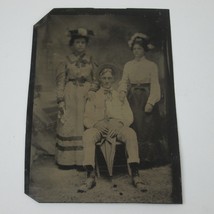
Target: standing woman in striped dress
75, 84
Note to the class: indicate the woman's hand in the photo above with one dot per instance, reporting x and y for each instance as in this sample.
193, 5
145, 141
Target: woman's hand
148, 108
61, 107
122, 96
91, 95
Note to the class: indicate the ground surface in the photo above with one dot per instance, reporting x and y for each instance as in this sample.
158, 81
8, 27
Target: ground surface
51, 184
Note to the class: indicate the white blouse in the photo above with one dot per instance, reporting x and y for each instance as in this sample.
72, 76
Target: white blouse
140, 72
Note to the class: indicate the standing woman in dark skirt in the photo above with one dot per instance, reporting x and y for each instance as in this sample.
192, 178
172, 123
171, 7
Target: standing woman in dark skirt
75, 84
140, 83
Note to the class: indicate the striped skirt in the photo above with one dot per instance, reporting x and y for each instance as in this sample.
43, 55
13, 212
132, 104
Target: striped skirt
69, 146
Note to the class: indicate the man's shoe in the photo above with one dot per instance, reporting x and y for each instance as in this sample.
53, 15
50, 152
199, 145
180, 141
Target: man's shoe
139, 184
87, 185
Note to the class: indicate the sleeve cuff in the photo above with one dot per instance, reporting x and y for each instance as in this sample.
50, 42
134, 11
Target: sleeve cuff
150, 104
60, 99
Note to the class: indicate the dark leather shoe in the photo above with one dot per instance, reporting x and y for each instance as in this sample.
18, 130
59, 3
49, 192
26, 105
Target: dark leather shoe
87, 185
139, 184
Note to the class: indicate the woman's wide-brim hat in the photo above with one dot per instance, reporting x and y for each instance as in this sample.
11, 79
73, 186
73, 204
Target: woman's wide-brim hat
82, 32
140, 37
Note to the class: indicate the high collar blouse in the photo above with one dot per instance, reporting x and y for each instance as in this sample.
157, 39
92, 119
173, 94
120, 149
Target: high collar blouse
75, 67
140, 72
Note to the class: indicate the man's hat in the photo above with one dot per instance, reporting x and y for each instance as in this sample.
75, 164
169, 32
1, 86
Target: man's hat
109, 67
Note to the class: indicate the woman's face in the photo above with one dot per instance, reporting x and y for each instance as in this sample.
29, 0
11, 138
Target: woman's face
79, 45
138, 51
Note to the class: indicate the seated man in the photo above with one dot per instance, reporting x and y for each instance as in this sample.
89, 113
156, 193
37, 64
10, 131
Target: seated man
107, 117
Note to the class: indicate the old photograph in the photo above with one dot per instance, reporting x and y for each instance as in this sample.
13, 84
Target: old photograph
101, 119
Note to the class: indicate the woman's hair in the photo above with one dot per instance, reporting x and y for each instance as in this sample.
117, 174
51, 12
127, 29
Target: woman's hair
80, 33
142, 42
73, 38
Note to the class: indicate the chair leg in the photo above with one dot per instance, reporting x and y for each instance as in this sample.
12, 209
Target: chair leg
129, 169
128, 166
97, 168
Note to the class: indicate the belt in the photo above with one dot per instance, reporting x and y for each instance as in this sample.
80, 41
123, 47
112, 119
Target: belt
78, 81
140, 85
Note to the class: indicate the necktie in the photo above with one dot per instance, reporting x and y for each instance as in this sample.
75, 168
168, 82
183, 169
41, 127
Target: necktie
108, 94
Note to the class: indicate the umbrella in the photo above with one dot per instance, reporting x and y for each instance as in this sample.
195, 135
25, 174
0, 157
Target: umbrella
108, 149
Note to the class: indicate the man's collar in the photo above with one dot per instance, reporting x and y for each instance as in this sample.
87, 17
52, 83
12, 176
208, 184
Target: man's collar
106, 89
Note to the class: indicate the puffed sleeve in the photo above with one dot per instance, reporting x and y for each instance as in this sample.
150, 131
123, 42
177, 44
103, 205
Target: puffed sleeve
123, 84
89, 114
95, 83
60, 81
155, 93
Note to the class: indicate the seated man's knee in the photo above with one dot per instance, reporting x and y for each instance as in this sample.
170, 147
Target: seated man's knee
128, 133
91, 135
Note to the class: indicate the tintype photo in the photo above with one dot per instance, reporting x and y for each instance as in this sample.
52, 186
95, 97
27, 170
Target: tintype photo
101, 119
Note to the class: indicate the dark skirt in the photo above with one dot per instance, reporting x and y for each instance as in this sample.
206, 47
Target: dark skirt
146, 125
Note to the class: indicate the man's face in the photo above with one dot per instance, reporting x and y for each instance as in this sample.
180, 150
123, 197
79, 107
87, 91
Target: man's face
106, 80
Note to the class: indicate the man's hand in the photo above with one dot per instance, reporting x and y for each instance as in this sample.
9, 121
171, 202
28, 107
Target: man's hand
112, 133
148, 108
102, 126
114, 127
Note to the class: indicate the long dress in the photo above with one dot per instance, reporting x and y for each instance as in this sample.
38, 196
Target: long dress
140, 81
75, 77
